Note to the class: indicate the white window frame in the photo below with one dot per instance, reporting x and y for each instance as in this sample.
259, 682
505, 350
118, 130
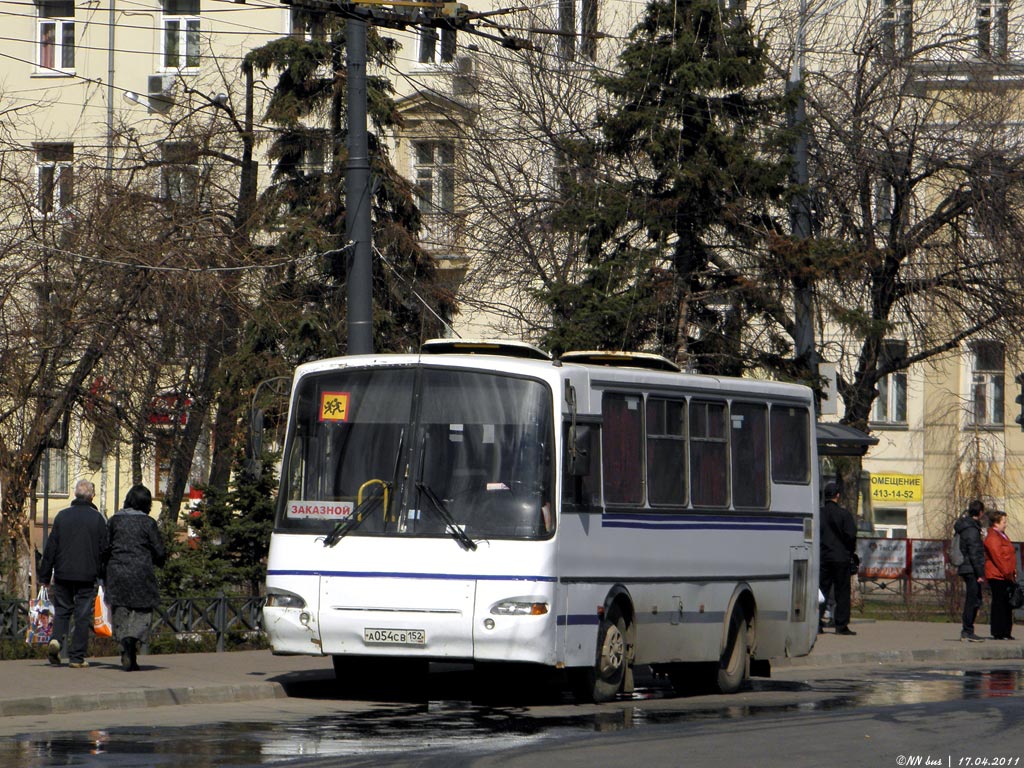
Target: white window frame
988, 385
185, 29
890, 406
577, 23
434, 175
62, 45
992, 27
57, 484
55, 189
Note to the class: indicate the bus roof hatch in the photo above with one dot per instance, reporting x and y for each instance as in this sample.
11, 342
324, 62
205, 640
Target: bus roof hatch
622, 359
504, 347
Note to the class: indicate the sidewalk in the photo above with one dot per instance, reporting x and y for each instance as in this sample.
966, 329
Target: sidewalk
33, 687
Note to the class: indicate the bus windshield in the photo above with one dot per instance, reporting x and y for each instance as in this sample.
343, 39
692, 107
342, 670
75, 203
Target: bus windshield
418, 451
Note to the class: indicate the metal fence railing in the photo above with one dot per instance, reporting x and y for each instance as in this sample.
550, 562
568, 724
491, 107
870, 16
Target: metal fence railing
185, 618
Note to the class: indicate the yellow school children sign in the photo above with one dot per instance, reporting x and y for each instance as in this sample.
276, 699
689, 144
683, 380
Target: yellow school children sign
895, 486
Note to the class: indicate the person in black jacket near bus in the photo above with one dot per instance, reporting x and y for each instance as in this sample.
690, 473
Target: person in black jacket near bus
972, 570
72, 563
838, 546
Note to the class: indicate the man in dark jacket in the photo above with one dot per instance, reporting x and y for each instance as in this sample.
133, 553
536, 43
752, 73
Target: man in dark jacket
71, 564
838, 545
972, 571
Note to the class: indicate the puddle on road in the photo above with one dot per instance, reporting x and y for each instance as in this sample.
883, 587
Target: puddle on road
466, 727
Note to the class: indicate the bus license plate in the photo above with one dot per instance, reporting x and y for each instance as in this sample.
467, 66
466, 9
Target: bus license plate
395, 636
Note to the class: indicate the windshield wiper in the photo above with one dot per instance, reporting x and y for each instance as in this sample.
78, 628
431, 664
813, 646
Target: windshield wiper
458, 533
353, 521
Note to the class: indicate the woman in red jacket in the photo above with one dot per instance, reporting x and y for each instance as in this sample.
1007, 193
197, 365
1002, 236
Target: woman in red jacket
1001, 574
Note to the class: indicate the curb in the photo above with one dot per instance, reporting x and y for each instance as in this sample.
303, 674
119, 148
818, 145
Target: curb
137, 699
994, 653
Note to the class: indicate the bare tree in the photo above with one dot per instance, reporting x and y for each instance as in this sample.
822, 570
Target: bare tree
917, 167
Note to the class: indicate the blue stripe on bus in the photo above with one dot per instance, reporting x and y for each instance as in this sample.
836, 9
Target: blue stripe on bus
707, 522
578, 619
401, 575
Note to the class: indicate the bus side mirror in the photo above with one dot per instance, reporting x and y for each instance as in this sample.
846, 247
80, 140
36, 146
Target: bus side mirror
578, 451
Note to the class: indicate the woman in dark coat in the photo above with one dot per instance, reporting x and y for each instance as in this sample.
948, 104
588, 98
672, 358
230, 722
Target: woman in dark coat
136, 550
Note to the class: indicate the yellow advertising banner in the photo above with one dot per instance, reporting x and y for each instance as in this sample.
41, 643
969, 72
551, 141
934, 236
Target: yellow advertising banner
896, 487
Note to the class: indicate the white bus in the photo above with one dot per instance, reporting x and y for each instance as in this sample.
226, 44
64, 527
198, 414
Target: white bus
482, 502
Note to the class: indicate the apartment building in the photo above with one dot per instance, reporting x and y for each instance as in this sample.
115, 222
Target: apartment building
90, 88
81, 77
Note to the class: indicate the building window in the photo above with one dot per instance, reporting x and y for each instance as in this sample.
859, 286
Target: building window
56, 35
577, 27
314, 155
305, 25
181, 34
437, 46
180, 171
992, 24
56, 467
987, 366
891, 404
891, 523
435, 176
54, 177
898, 27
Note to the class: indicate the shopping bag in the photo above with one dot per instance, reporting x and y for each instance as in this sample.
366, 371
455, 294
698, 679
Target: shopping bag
101, 616
40, 618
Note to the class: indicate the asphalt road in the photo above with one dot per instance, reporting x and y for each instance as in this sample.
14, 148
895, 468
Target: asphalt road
958, 714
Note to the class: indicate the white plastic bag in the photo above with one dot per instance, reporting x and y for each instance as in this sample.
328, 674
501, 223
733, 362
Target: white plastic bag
40, 619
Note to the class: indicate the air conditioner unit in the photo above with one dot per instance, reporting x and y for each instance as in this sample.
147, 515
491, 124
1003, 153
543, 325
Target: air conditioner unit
465, 66
159, 89
159, 85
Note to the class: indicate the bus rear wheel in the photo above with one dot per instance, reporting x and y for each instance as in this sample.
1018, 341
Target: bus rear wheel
604, 680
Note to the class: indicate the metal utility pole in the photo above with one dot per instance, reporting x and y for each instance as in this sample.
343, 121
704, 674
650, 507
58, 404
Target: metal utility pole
111, 19
800, 209
357, 195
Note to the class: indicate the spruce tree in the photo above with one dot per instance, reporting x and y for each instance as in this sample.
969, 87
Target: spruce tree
305, 204
694, 170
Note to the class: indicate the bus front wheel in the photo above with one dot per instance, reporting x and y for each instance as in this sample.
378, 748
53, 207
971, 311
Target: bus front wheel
734, 667
604, 680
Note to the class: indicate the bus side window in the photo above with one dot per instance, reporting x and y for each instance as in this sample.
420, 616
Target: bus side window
790, 435
749, 444
622, 448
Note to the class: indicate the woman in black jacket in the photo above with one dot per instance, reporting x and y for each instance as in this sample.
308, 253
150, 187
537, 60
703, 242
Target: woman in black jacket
136, 550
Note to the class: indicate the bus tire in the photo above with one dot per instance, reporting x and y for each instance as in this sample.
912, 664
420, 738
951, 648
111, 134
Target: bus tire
734, 666
603, 681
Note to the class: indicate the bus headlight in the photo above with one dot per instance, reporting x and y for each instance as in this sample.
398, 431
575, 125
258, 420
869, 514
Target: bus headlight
281, 598
520, 606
